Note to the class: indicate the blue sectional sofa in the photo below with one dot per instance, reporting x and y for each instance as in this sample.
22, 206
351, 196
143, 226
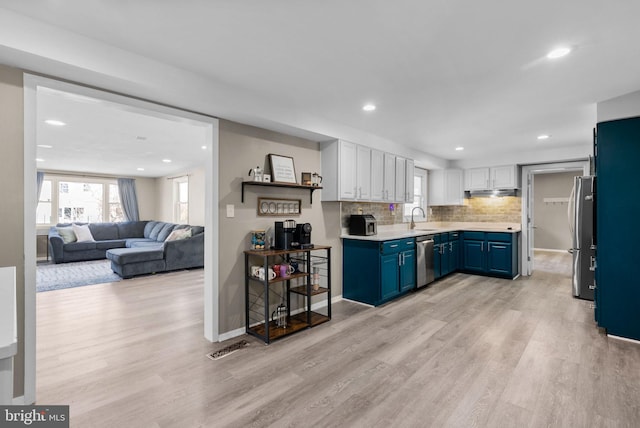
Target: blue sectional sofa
134, 248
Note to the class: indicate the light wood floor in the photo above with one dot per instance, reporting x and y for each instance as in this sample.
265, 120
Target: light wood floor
467, 351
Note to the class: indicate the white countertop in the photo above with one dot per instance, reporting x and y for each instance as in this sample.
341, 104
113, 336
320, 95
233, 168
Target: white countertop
400, 231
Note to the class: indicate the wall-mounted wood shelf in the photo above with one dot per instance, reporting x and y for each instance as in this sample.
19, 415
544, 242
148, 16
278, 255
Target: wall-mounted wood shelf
285, 185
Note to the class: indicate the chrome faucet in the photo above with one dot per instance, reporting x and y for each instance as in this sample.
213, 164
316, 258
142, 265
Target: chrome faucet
413, 223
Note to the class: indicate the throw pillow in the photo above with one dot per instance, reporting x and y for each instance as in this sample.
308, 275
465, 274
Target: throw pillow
67, 234
83, 233
179, 234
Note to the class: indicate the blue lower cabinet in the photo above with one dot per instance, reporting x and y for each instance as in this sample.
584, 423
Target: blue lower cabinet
389, 273
375, 272
454, 254
490, 253
407, 271
473, 256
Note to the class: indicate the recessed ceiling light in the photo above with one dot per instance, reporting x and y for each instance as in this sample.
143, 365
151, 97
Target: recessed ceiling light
54, 122
166, 160
204, 147
459, 149
369, 107
140, 169
558, 53
45, 146
543, 137
39, 160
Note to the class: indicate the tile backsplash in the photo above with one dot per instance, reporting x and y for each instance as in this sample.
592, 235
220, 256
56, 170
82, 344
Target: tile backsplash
504, 209
501, 209
380, 211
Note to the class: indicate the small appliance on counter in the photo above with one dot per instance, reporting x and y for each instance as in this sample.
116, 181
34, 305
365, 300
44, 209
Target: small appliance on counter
284, 235
362, 224
302, 236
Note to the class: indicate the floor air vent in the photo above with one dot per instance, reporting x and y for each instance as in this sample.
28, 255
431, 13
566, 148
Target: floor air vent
228, 350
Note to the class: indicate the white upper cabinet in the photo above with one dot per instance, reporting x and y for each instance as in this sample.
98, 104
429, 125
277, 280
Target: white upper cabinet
348, 187
363, 173
409, 179
377, 175
504, 177
389, 182
352, 172
400, 192
494, 178
446, 187
476, 179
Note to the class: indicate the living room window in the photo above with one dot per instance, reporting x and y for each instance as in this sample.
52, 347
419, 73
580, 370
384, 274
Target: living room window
43, 212
67, 199
181, 200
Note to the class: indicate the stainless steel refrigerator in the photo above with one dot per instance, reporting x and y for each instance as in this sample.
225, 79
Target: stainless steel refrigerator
581, 224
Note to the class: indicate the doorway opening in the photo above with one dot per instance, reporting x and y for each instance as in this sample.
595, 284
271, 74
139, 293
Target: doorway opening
208, 153
555, 227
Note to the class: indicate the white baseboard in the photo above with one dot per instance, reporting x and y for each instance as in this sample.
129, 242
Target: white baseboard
242, 330
624, 339
359, 303
18, 401
231, 334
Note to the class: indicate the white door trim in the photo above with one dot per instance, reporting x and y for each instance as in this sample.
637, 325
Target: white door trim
211, 286
528, 171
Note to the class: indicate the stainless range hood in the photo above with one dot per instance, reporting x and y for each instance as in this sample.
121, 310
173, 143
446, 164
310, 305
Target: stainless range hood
490, 193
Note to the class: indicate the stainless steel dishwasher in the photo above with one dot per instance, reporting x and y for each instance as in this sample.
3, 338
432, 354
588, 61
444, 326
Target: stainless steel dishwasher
424, 260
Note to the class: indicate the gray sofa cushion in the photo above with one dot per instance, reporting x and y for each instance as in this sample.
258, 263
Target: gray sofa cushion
80, 246
131, 229
104, 231
148, 228
134, 255
165, 232
155, 231
146, 244
133, 242
196, 230
111, 243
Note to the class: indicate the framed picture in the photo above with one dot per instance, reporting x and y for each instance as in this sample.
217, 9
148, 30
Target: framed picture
282, 169
306, 179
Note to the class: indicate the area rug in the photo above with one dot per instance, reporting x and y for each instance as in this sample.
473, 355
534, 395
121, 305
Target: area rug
67, 275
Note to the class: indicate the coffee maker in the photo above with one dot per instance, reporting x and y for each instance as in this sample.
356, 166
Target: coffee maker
284, 235
302, 235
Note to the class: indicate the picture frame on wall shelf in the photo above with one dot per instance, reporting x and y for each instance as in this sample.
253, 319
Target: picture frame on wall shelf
306, 179
282, 169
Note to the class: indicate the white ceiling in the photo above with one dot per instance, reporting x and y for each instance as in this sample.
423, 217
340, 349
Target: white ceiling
443, 73
106, 137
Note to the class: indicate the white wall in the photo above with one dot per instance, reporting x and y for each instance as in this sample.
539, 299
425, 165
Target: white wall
243, 147
146, 191
620, 107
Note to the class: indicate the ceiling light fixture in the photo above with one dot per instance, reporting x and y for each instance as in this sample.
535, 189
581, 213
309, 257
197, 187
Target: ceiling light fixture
558, 53
459, 149
166, 160
54, 122
140, 169
45, 146
39, 160
543, 137
204, 147
369, 107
